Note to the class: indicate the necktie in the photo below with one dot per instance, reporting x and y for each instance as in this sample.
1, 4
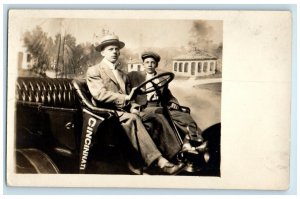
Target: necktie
119, 79
153, 95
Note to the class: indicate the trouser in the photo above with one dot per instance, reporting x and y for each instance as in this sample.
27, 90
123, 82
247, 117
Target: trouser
182, 120
161, 132
139, 137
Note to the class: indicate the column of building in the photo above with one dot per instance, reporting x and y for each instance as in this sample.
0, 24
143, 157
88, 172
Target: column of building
201, 68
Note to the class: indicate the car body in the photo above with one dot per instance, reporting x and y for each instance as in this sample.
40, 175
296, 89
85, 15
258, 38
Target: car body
58, 130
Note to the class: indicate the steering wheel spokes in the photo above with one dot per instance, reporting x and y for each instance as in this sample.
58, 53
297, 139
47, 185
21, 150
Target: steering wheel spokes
157, 82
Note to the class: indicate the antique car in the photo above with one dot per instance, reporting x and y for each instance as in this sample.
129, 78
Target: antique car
59, 130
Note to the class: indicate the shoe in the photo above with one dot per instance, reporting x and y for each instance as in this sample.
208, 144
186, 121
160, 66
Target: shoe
202, 147
138, 171
172, 169
188, 147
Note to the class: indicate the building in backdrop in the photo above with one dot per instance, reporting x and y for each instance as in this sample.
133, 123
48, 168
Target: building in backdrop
135, 65
195, 63
25, 59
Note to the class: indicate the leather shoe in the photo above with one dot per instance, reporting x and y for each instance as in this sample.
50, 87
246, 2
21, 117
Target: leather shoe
188, 147
202, 147
172, 169
138, 170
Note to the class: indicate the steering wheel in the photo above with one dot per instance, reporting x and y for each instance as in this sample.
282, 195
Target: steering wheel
157, 82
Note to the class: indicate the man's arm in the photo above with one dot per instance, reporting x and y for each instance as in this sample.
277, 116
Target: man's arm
172, 102
168, 95
99, 92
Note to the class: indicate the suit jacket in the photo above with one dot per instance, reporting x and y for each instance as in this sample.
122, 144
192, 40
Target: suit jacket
104, 87
136, 78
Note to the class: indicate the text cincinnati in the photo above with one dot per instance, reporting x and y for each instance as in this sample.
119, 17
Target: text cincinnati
87, 142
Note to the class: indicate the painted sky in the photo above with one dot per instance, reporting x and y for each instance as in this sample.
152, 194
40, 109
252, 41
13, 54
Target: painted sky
134, 32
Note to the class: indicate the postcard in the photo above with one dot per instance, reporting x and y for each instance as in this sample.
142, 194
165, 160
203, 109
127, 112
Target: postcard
149, 99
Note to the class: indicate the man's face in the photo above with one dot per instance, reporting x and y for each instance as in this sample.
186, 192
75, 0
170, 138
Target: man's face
150, 65
111, 53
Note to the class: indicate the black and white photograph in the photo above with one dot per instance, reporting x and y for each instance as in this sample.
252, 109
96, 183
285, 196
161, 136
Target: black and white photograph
76, 113
125, 94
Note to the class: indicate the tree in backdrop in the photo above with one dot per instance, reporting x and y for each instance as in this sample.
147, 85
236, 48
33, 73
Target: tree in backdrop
201, 39
38, 44
84, 56
66, 54
62, 55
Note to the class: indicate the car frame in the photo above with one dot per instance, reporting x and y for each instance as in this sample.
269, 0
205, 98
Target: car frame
59, 130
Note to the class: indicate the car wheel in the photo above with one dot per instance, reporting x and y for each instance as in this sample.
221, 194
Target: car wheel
32, 160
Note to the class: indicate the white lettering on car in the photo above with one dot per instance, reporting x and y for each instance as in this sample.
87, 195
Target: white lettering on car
87, 142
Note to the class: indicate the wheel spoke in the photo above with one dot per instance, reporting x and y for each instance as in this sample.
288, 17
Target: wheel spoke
163, 80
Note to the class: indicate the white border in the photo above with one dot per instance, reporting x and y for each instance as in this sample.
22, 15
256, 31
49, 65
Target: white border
157, 2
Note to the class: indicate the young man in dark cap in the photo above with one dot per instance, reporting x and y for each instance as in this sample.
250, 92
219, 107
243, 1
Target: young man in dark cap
181, 119
109, 87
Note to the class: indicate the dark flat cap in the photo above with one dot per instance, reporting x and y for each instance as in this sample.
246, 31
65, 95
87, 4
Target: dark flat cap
147, 54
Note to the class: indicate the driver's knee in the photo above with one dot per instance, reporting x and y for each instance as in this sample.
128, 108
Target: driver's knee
132, 117
156, 110
128, 118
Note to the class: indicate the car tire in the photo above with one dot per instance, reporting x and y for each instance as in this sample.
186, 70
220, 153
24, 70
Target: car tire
213, 136
32, 160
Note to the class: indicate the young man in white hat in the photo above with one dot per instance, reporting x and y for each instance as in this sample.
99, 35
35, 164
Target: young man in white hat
109, 87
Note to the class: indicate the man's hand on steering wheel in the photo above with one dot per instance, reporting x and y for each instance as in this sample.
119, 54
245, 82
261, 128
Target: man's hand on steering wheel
163, 80
131, 95
174, 106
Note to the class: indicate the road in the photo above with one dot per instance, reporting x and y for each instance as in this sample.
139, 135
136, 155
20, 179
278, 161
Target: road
205, 104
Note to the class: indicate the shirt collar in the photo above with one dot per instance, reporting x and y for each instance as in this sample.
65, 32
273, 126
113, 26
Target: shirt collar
149, 76
111, 65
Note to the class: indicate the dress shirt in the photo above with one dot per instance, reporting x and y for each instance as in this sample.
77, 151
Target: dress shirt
152, 96
115, 70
